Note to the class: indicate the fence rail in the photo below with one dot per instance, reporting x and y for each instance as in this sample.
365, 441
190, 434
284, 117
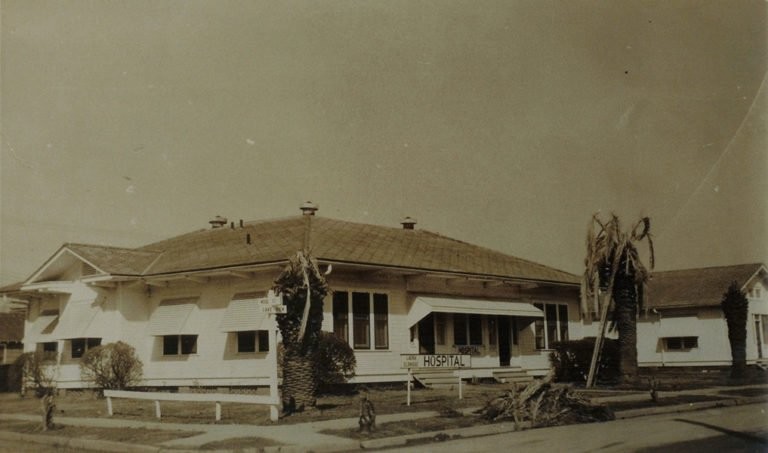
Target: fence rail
217, 398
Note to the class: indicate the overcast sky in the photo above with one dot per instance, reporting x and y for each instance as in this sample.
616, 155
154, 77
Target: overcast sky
501, 123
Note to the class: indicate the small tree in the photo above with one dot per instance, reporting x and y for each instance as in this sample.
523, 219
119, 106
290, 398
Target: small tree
112, 366
735, 308
334, 359
39, 373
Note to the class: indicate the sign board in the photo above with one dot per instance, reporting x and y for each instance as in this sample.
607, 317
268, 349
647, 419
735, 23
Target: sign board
271, 299
273, 309
436, 361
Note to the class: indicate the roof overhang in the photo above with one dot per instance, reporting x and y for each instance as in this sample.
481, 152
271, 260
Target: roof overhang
423, 306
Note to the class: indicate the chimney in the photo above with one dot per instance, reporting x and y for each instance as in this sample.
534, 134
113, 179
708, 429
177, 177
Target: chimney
218, 222
408, 223
308, 208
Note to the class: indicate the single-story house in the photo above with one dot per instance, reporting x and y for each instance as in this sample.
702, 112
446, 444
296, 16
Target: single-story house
186, 304
684, 324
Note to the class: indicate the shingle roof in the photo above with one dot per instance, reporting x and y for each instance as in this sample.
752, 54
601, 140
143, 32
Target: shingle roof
115, 260
337, 240
702, 287
11, 327
333, 240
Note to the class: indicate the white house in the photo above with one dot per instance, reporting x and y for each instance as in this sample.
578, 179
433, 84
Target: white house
684, 324
186, 303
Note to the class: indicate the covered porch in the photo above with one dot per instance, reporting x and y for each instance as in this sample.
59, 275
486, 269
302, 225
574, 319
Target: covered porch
496, 334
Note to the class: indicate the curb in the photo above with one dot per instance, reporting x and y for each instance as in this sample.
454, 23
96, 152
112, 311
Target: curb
633, 413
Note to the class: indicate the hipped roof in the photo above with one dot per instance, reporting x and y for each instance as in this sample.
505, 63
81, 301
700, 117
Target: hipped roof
273, 241
702, 287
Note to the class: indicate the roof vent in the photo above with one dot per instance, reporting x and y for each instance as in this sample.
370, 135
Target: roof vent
308, 208
408, 223
218, 222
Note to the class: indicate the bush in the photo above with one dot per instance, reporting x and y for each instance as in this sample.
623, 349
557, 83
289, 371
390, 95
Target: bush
35, 371
334, 360
571, 360
113, 366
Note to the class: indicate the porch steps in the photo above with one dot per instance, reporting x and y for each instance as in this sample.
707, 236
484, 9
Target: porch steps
509, 375
434, 379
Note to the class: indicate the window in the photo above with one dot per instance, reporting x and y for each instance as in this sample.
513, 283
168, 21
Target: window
252, 341
681, 343
48, 349
80, 345
439, 328
380, 321
361, 316
492, 330
467, 329
341, 315
364, 326
553, 327
459, 329
179, 344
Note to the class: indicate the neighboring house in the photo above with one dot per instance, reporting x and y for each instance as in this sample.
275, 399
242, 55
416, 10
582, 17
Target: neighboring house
186, 303
11, 324
684, 324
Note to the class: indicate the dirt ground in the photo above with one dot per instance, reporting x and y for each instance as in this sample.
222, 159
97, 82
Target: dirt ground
386, 400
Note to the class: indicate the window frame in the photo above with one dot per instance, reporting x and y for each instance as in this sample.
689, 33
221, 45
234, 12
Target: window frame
683, 343
259, 342
347, 323
469, 332
88, 344
180, 345
541, 327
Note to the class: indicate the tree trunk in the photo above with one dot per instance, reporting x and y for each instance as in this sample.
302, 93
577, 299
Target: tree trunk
739, 355
625, 316
300, 386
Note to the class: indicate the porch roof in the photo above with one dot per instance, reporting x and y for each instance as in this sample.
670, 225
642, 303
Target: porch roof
424, 305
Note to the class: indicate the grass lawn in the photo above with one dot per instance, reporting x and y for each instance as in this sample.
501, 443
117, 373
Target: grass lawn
240, 443
386, 401
410, 427
141, 436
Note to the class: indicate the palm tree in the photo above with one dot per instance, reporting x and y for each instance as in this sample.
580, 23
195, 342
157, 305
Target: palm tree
735, 307
300, 282
614, 278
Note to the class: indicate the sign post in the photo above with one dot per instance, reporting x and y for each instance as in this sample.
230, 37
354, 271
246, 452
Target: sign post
272, 305
444, 361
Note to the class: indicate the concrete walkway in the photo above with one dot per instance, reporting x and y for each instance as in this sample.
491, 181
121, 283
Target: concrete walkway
307, 436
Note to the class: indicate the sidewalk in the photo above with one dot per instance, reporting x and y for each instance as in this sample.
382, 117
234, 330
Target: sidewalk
302, 437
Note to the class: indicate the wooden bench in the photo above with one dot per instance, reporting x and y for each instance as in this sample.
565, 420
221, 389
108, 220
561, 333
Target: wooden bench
217, 398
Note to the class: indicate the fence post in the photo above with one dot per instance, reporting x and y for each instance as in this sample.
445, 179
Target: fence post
408, 388
157, 408
109, 405
273, 390
218, 411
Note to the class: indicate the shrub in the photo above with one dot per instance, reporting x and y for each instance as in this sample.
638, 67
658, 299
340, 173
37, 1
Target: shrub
571, 360
36, 372
112, 366
334, 360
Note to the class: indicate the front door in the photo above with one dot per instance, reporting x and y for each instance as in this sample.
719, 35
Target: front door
427, 335
505, 338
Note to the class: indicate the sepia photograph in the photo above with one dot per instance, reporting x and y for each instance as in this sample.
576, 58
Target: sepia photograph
394, 225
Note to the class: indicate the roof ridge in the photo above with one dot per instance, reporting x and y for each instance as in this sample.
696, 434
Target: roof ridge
82, 244
730, 266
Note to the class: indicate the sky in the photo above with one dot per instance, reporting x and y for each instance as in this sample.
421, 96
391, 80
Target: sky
506, 124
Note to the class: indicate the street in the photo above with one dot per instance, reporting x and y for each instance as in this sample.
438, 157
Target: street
731, 429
